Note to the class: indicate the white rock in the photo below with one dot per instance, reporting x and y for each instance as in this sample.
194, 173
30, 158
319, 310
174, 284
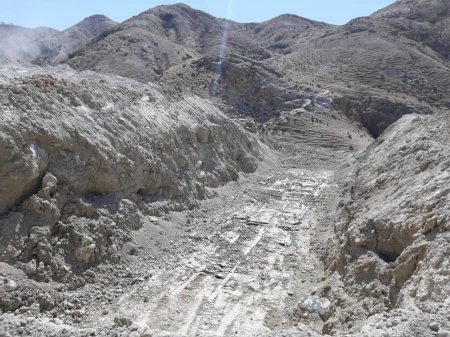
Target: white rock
443, 333
319, 305
34, 309
8, 284
78, 313
49, 180
141, 328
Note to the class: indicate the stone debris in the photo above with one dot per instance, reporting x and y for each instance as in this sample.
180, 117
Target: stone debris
7, 284
321, 306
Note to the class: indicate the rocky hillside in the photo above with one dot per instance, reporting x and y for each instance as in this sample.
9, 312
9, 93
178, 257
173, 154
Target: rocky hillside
426, 22
46, 45
185, 50
381, 64
167, 36
394, 229
380, 67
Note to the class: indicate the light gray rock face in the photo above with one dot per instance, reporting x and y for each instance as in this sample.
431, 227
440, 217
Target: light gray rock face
49, 181
393, 234
84, 159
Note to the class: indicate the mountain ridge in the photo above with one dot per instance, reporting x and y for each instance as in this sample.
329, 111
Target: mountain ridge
396, 57
369, 56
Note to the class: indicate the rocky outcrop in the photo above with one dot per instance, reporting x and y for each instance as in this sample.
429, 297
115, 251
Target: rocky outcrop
85, 158
375, 113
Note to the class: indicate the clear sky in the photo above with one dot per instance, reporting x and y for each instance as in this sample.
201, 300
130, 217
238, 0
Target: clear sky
61, 14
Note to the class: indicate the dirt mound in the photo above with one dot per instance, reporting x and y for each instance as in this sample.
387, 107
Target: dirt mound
393, 230
86, 157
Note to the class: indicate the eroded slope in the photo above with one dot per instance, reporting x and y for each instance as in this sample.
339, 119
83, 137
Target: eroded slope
393, 231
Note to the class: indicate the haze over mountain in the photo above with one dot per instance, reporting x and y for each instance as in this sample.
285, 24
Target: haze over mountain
24, 44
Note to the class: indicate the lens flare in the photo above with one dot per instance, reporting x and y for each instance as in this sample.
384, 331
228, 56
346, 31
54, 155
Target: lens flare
222, 48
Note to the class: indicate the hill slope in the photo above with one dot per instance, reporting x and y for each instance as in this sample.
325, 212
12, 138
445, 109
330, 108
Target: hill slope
67, 140
380, 66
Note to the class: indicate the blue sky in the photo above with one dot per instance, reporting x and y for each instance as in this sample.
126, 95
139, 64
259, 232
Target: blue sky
62, 14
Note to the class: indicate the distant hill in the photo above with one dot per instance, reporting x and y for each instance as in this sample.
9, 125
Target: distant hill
25, 44
19, 43
382, 66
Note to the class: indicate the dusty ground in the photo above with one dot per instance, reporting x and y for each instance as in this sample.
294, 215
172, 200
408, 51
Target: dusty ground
250, 263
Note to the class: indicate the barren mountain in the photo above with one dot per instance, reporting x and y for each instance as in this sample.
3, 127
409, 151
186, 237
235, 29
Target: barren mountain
380, 63
185, 49
59, 46
168, 36
379, 66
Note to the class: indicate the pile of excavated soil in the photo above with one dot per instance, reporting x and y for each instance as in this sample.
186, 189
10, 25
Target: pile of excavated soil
393, 233
84, 160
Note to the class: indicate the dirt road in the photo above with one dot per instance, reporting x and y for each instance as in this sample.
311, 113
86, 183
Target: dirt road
251, 263
239, 265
